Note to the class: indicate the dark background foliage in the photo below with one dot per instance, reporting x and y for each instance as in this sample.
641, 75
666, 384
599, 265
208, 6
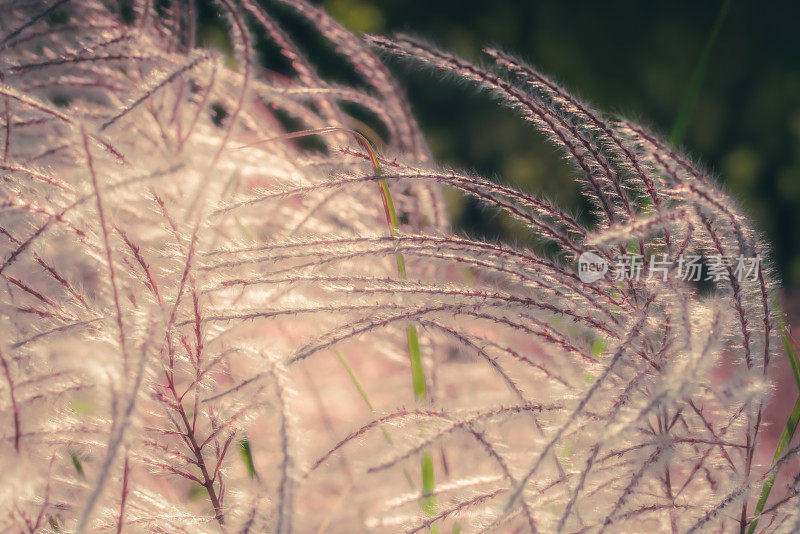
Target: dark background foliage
628, 57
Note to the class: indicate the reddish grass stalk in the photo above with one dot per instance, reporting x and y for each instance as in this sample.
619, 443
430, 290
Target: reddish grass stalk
14, 405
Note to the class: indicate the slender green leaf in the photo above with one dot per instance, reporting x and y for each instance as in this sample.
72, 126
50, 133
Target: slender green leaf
390, 207
787, 342
428, 502
247, 457
417, 370
696, 81
78, 464
355, 381
791, 424
417, 373
365, 397
783, 444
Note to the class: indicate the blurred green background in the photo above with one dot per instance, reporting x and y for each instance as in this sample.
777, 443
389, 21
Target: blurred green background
628, 57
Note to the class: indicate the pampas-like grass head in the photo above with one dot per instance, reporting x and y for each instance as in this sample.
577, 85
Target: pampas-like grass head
208, 326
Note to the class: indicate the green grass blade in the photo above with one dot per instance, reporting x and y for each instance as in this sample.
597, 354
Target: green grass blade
791, 424
401, 266
76, 462
417, 372
393, 224
787, 342
245, 230
354, 379
415, 355
696, 81
247, 457
365, 397
783, 444
428, 482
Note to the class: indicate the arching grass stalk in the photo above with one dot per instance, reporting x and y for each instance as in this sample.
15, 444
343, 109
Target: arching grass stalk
428, 503
676, 138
